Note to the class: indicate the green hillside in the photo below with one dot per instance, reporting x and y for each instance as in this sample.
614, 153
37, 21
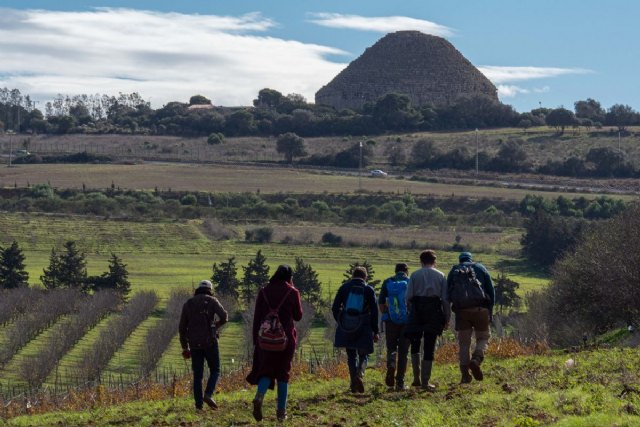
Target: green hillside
599, 389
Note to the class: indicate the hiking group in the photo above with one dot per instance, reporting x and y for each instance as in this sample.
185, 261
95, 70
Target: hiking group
415, 309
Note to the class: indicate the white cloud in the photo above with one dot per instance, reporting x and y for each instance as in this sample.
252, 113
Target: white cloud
510, 91
498, 74
381, 24
163, 56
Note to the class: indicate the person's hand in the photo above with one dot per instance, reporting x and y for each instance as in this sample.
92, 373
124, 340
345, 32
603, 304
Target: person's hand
376, 337
186, 354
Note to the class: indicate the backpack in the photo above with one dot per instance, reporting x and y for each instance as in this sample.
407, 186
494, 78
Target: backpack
396, 301
467, 291
271, 334
350, 320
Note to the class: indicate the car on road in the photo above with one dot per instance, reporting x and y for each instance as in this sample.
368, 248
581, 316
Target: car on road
22, 153
378, 172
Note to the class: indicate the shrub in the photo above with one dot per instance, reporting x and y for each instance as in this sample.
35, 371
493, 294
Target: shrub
259, 235
215, 138
189, 200
331, 239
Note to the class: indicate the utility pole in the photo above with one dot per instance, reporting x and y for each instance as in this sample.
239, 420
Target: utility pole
10, 145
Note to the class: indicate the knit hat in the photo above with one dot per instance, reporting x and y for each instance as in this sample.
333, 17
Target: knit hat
465, 257
205, 284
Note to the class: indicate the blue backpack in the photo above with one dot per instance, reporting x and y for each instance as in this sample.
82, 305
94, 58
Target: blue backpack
355, 301
352, 316
396, 301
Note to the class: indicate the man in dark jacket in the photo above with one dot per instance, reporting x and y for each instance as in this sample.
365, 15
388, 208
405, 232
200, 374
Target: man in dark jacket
354, 309
472, 317
199, 340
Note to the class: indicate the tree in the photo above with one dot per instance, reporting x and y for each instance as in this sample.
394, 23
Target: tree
12, 272
225, 278
199, 100
394, 112
560, 118
291, 145
305, 278
256, 274
51, 276
117, 278
424, 153
589, 109
68, 269
506, 295
268, 98
621, 116
548, 237
370, 272
215, 138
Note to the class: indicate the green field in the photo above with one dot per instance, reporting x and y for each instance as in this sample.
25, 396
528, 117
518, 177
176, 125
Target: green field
600, 389
176, 255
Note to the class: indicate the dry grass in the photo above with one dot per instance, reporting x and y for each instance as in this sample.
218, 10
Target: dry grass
502, 348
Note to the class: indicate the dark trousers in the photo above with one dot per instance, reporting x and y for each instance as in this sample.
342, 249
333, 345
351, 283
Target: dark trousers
429, 344
357, 361
198, 356
396, 343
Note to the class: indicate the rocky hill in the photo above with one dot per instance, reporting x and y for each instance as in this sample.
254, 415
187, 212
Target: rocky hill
428, 69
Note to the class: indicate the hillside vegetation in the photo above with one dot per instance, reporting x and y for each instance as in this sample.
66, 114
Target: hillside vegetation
590, 388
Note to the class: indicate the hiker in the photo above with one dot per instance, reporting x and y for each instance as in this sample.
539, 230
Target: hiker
429, 313
274, 338
472, 297
354, 309
199, 339
393, 306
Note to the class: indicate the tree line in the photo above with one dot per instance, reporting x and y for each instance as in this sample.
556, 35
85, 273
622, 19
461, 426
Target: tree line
273, 113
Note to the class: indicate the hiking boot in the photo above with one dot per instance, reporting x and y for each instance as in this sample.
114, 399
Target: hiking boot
400, 386
426, 375
209, 401
257, 407
281, 415
359, 385
415, 365
474, 367
466, 376
389, 379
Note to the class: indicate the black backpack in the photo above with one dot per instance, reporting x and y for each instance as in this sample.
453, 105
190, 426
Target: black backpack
466, 290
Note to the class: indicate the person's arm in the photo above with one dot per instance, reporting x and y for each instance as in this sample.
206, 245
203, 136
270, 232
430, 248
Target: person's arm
337, 304
297, 307
444, 296
371, 297
183, 327
409, 294
382, 299
487, 285
220, 312
257, 316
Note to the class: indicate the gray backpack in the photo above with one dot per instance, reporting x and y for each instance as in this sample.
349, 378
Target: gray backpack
466, 290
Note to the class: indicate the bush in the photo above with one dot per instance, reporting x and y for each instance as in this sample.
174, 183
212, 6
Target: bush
331, 239
259, 235
189, 200
215, 138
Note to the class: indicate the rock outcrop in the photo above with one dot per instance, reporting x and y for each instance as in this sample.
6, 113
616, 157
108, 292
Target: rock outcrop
428, 69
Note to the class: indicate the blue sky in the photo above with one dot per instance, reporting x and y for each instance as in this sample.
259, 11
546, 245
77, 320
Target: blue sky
548, 53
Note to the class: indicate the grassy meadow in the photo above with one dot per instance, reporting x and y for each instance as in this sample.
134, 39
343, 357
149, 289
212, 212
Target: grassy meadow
599, 388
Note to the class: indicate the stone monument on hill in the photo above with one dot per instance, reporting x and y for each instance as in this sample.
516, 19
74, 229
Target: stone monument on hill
426, 68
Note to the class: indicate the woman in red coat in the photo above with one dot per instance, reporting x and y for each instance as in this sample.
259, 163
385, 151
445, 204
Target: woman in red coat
271, 366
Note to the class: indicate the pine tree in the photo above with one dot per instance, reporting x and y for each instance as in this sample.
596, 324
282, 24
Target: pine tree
225, 278
68, 269
73, 266
117, 278
256, 274
305, 278
12, 273
370, 272
51, 276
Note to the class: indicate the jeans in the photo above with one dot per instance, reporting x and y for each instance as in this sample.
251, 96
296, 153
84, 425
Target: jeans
198, 356
283, 391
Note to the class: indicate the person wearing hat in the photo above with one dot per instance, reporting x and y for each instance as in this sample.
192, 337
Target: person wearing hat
199, 340
474, 310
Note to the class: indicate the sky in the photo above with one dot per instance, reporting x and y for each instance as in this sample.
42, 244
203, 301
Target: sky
547, 53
